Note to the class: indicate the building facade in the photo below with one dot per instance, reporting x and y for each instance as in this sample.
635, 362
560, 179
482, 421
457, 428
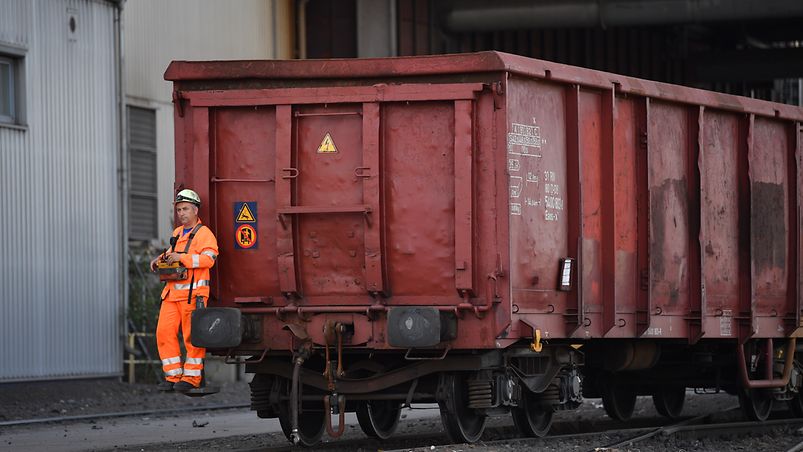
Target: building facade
157, 32
86, 160
61, 273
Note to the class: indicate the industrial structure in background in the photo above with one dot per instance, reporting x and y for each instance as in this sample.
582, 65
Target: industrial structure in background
747, 47
86, 120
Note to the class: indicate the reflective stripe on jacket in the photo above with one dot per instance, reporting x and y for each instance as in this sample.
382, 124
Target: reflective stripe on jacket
199, 260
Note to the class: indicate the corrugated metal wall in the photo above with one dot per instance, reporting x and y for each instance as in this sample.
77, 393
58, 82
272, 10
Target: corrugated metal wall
59, 222
157, 32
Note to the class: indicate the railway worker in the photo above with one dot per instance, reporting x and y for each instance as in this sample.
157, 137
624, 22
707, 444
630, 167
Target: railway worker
194, 248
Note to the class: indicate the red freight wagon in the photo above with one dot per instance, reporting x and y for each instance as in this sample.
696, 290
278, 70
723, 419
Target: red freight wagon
494, 233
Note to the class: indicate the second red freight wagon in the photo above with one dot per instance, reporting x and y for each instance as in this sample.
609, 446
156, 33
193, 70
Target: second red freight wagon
494, 233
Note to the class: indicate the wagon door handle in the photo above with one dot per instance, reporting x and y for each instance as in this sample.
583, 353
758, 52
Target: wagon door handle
301, 210
292, 173
362, 171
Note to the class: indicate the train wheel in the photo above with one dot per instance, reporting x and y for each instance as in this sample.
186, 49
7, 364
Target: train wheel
462, 424
531, 417
618, 401
669, 401
379, 418
756, 403
310, 425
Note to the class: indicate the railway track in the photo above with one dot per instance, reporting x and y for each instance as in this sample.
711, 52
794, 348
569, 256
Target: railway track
704, 426
596, 436
90, 417
693, 428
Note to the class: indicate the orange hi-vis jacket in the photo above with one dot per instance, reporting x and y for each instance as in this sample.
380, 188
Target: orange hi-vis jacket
199, 259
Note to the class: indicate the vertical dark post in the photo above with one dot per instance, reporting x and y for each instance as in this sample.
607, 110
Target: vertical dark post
575, 208
608, 211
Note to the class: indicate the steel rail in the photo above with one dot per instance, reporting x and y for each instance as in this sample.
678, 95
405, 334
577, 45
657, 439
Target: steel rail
637, 434
796, 448
84, 417
664, 429
716, 428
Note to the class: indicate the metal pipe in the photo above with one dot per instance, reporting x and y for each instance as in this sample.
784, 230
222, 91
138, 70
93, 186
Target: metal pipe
274, 33
418, 397
217, 180
768, 381
294, 400
300, 310
301, 27
614, 13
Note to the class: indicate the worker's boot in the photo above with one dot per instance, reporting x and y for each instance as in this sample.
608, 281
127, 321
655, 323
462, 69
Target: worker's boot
183, 386
166, 386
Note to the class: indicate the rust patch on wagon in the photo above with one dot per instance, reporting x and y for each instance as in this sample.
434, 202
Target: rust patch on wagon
767, 225
668, 208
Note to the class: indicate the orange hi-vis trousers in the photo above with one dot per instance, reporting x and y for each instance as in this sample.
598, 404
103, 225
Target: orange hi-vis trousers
175, 314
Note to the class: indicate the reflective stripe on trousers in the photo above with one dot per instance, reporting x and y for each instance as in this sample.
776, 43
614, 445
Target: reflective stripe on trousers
173, 360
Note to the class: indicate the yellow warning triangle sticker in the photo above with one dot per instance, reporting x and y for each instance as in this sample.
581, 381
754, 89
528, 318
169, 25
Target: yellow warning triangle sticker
327, 145
245, 215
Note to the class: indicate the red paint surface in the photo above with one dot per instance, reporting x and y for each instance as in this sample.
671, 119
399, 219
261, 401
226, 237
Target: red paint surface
463, 180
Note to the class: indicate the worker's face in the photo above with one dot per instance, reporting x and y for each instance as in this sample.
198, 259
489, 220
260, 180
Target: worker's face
187, 213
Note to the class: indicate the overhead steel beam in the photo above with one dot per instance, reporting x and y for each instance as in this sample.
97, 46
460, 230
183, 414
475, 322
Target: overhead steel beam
746, 65
517, 15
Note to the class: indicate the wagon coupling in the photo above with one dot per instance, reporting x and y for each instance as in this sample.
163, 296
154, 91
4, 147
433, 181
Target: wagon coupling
333, 333
338, 408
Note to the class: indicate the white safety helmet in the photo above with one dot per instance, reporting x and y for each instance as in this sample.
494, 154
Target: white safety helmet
189, 196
